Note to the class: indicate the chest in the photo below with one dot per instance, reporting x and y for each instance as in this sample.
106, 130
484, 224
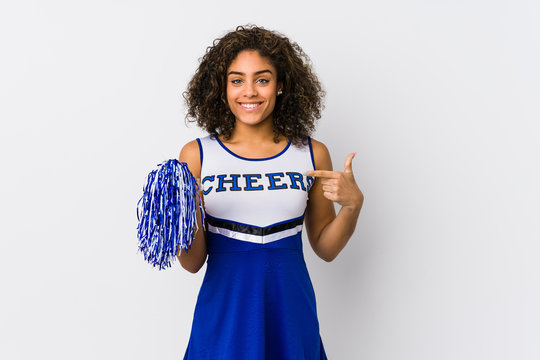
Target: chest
257, 193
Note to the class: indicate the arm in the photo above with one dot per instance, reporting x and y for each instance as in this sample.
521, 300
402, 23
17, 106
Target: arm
193, 260
328, 234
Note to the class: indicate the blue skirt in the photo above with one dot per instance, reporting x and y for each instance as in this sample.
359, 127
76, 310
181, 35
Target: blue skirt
256, 302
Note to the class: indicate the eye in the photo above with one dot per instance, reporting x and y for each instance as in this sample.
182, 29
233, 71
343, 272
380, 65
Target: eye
236, 81
263, 81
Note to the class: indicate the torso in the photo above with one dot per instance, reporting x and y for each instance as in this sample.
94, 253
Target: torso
255, 190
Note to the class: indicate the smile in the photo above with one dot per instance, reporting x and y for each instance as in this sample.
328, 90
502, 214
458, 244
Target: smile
251, 106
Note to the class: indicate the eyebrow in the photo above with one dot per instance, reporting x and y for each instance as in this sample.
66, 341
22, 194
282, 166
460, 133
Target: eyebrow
241, 73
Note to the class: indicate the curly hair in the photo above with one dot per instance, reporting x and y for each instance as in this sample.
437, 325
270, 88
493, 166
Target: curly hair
295, 111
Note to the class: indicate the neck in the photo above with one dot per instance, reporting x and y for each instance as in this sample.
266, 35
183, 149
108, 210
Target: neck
262, 132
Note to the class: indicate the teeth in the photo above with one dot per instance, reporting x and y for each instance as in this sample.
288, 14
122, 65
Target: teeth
250, 106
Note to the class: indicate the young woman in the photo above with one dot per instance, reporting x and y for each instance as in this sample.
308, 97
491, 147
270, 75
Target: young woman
261, 177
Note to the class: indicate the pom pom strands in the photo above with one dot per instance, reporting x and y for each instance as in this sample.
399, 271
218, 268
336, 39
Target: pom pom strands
167, 213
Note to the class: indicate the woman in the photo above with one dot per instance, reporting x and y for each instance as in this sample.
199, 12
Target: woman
261, 177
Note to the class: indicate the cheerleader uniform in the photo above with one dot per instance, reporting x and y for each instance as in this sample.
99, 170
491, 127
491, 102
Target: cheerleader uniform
256, 300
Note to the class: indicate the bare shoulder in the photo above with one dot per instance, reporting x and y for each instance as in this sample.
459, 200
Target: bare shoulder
191, 155
321, 155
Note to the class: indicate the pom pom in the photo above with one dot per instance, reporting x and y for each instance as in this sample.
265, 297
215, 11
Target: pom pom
167, 213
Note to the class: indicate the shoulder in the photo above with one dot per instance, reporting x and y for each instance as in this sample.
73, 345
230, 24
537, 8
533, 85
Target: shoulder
321, 155
191, 154
190, 150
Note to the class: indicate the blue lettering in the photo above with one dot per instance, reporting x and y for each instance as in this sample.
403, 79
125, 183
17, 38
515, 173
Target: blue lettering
310, 181
233, 181
272, 179
295, 179
207, 178
250, 181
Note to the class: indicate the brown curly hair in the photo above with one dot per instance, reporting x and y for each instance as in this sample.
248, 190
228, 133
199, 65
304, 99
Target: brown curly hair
295, 111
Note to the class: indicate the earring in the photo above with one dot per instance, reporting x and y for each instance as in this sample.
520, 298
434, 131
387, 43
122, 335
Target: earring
279, 92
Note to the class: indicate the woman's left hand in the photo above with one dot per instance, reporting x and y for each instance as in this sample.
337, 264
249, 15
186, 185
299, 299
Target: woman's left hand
340, 186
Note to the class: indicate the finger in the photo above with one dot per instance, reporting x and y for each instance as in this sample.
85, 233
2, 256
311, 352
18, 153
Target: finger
348, 162
329, 188
329, 196
326, 181
324, 174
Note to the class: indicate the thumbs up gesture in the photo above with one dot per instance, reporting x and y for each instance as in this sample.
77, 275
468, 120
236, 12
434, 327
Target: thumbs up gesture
340, 186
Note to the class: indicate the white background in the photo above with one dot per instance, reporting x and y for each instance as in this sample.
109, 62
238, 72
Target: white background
440, 99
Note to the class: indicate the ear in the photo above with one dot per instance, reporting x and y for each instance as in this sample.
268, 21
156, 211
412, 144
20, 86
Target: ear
279, 88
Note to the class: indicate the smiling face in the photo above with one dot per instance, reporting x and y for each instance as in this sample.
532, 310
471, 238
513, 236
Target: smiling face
252, 88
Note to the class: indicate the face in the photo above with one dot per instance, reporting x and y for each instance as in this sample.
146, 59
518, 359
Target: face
252, 88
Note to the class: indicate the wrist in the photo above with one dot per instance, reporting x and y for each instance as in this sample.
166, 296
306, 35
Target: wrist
354, 206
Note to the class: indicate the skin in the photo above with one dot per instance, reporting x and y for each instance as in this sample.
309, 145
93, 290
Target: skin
253, 79
327, 233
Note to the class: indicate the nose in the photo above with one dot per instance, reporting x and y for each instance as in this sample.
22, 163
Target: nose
251, 90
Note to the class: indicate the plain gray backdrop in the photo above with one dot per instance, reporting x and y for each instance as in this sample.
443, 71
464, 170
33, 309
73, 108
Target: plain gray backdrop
440, 100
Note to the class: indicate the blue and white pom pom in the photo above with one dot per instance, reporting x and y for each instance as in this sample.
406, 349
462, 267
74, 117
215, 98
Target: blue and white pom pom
167, 213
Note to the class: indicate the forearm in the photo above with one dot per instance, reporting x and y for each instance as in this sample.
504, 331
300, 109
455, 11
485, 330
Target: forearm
335, 235
194, 259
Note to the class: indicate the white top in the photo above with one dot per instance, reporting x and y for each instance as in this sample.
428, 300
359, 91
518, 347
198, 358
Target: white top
255, 193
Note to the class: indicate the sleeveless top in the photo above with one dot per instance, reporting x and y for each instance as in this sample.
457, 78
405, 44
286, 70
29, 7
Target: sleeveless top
256, 301
255, 200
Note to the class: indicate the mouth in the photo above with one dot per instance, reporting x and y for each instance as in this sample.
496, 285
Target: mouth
250, 106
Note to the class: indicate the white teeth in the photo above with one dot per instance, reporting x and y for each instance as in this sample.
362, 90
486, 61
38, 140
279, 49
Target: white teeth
250, 106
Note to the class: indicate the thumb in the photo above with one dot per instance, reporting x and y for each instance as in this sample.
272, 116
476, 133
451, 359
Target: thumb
348, 162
